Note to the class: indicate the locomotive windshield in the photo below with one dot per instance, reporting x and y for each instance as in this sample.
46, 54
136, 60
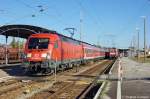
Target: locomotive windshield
38, 43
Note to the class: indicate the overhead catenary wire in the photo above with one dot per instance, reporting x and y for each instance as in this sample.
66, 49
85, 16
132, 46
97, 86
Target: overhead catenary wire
89, 15
44, 11
98, 23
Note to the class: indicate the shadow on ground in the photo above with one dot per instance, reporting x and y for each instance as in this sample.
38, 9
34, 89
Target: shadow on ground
16, 70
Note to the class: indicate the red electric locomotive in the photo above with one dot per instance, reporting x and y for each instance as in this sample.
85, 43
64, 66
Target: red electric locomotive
46, 51
111, 53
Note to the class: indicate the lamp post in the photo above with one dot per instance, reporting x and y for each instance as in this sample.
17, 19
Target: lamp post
137, 29
81, 26
144, 18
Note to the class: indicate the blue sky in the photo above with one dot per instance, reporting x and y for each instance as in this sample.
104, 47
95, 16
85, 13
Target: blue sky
109, 22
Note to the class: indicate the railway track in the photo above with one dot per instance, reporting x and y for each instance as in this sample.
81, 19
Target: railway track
19, 83
69, 84
94, 86
78, 86
15, 87
11, 88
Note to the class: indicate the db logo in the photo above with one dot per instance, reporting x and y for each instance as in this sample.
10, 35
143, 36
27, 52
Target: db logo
36, 55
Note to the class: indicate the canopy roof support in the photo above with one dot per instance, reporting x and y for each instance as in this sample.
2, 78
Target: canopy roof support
6, 51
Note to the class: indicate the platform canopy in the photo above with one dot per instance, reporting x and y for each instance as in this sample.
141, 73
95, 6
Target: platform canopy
22, 31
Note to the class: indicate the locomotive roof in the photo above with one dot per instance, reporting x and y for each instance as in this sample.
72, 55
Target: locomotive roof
73, 39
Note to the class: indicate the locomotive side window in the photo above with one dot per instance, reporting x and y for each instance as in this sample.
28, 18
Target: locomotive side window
56, 44
38, 43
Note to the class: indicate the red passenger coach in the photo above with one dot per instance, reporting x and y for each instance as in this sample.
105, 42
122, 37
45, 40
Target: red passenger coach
92, 52
45, 51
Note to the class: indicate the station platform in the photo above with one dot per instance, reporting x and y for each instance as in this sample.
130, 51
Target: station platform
135, 81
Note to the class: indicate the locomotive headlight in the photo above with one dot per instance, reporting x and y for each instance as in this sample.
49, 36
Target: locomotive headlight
28, 55
44, 55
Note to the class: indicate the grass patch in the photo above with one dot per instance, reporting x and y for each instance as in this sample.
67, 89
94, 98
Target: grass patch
141, 59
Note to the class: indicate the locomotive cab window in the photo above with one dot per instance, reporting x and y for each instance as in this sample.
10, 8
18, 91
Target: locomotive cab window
38, 43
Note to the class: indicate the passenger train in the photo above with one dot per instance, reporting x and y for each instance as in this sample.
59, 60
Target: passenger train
45, 52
